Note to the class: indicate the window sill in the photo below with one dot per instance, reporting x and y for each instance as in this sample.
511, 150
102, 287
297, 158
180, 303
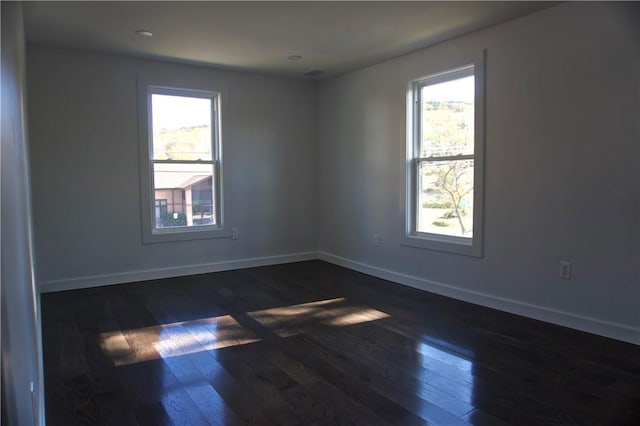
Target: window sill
167, 235
454, 245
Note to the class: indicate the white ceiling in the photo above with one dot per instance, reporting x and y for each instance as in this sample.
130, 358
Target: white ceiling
334, 37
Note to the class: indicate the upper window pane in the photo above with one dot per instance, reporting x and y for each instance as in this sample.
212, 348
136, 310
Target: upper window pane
447, 126
181, 128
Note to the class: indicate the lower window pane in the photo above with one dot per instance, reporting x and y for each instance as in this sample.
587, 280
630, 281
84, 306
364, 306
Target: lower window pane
445, 198
184, 195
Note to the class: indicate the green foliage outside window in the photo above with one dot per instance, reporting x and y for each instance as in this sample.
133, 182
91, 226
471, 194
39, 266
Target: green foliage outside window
174, 219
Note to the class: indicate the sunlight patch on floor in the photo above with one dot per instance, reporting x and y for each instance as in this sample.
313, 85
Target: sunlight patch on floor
297, 319
175, 339
207, 334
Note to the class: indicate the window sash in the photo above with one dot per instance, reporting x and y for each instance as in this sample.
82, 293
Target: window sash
416, 196
445, 158
188, 93
215, 196
417, 86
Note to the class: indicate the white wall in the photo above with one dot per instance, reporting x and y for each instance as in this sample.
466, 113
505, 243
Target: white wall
21, 363
562, 169
84, 130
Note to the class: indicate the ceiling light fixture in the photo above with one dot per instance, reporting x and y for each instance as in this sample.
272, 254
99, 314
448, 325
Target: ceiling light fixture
144, 33
295, 57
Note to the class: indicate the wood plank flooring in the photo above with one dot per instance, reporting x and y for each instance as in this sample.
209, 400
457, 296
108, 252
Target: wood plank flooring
312, 343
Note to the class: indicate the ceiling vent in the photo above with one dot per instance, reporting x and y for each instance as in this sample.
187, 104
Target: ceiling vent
313, 73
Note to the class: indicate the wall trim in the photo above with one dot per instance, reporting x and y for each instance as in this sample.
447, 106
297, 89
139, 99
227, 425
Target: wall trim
77, 283
591, 325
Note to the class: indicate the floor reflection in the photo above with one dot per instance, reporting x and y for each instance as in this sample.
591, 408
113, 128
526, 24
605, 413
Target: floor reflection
181, 361
279, 345
445, 369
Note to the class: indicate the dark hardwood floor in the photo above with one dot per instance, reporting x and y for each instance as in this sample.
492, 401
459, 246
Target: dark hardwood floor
315, 344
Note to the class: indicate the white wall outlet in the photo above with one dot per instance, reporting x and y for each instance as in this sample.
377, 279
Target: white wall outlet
565, 270
376, 240
34, 402
235, 234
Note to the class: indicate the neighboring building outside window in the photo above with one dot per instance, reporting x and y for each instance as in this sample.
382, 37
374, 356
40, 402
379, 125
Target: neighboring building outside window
445, 160
180, 163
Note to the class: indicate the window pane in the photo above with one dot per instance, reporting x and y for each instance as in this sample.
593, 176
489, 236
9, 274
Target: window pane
445, 198
181, 128
184, 195
447, 118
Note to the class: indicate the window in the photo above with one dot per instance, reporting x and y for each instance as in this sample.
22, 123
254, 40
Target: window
445, 159
180, 163
161, 209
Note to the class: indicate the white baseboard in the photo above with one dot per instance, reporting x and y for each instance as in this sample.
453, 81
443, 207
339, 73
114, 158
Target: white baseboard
579, 322
567, 319
160, 273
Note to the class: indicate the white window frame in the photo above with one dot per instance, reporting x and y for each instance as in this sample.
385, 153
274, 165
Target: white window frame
445, 243
151, 234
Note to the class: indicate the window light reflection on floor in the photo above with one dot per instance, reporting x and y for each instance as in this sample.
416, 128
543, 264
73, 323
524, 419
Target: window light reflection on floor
207, 334
439, 365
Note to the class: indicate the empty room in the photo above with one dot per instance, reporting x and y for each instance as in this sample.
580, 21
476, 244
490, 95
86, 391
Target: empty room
318, 213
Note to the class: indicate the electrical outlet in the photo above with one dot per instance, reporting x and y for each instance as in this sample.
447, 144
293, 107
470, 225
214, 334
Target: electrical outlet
235, 234
34, 402
376, 240
565, 270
